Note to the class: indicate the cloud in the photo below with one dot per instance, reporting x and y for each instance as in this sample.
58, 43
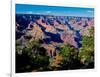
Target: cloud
48, 11
30, 12
90, 11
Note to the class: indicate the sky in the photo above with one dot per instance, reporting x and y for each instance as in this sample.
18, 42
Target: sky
54, 10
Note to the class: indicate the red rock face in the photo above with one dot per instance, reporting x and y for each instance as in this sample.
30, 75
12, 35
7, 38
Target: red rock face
57, 25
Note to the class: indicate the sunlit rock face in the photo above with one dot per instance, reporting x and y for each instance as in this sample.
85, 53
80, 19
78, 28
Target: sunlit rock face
52, 30
35, 32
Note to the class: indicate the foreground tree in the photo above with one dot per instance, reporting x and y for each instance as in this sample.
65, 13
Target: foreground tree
86, 54
70, 57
